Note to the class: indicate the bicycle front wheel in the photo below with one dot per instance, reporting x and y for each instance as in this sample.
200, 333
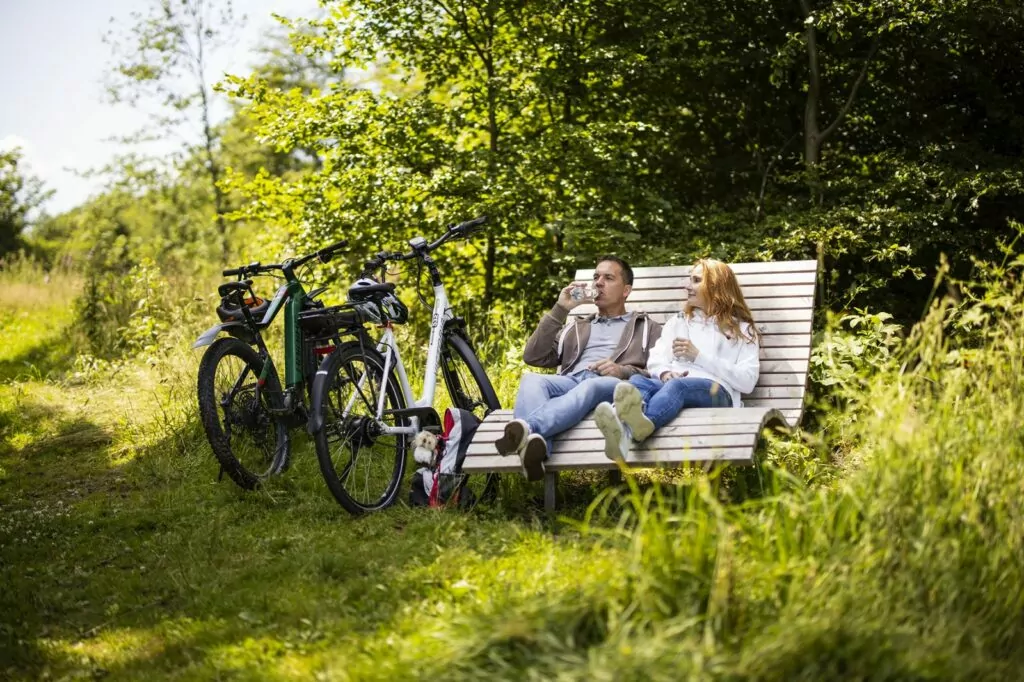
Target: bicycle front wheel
247, 441
361, 462
469, 388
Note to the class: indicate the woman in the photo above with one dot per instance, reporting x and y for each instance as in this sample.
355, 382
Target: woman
707, 356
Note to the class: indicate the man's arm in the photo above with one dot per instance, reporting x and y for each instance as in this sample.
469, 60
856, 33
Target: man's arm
542, 347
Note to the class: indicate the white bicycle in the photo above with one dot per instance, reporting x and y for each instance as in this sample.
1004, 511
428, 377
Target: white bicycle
364, 415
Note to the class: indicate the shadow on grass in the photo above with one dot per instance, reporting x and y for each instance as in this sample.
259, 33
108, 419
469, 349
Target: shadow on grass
93, 543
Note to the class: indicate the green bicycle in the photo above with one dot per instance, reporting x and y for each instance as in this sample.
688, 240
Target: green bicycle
246, 412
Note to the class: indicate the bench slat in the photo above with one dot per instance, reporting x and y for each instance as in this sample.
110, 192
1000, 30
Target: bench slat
582, 460
653, 299
738, 268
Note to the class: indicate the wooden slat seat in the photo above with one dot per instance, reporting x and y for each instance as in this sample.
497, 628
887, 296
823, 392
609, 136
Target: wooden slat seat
781, 298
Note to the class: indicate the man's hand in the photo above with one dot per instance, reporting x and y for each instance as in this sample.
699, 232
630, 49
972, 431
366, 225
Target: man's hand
607, 368
669, 375
565, 298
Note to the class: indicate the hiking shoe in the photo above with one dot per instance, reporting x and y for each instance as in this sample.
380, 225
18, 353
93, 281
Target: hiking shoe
514, 439
629, 406
532, 457
616, 434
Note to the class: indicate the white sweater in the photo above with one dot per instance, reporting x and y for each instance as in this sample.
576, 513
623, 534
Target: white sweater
733, 363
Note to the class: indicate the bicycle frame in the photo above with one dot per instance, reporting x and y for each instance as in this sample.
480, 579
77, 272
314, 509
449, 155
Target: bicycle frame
291, 296
386, 346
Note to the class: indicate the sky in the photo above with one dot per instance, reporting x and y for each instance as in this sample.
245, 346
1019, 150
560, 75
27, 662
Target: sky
52, 63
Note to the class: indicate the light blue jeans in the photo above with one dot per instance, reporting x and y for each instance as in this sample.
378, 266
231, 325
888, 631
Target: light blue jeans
552, 403
664, 400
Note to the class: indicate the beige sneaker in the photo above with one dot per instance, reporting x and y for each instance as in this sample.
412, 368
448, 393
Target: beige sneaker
616, 435
629, 407
514, 438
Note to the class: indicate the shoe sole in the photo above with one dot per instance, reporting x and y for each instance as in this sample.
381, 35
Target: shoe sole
610, 426
629, 406
513, 440
534, 454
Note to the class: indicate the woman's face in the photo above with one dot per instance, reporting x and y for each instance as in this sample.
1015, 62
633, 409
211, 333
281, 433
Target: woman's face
695, 288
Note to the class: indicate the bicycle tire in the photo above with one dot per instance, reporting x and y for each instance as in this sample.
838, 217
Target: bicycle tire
354, 457
247, 441
460, 367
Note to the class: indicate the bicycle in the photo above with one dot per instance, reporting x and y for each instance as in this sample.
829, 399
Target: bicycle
246, 413
364, 414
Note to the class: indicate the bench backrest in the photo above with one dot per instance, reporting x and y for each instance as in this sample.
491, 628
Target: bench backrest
780, 296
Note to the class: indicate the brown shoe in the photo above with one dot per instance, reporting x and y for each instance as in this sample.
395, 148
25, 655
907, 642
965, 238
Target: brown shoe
533, 456
514, 438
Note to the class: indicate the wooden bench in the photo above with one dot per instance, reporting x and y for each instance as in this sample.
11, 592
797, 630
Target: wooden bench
781, 298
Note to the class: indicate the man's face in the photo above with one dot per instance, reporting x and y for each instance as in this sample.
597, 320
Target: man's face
612, 289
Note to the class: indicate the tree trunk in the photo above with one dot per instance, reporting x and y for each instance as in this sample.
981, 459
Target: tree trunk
493, 133
814, 136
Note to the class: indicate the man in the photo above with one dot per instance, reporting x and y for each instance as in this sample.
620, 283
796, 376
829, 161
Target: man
594, 353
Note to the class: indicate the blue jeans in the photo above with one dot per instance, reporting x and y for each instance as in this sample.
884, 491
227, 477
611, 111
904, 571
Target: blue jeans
664, 400
552, 403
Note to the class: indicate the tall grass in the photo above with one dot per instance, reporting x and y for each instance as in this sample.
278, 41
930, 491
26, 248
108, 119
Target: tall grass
901, 557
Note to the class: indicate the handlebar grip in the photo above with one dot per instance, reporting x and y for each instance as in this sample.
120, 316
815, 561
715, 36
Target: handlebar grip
470, 226
327, 252
251, 267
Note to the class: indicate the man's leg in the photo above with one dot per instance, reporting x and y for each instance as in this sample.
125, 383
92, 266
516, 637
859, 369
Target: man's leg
567, 410
535, 391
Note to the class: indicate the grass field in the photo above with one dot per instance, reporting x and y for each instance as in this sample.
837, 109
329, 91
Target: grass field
123, 557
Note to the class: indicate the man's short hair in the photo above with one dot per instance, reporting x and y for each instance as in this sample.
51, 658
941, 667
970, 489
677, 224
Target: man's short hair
627, 272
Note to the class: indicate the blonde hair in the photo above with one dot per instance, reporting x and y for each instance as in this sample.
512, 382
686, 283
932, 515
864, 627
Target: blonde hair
724, 300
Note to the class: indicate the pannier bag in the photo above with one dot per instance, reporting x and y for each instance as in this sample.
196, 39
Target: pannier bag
441, 482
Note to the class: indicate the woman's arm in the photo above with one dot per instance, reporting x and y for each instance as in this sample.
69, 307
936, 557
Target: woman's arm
660, 358
741, 374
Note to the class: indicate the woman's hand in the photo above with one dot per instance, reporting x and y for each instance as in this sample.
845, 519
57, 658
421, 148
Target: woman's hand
683, 349
669, 375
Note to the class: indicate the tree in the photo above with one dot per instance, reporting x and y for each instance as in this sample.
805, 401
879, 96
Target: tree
164, 57
20, 195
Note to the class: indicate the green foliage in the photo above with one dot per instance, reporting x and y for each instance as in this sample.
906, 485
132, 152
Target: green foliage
21, 195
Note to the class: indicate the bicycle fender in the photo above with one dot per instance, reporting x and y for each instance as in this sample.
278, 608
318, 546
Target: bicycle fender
236, 329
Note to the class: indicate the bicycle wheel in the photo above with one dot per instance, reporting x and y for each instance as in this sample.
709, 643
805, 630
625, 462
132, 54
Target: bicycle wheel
247, 441
362, 465
470, 389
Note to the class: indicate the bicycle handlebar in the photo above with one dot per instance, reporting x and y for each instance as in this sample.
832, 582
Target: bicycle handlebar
464, 229
256, 268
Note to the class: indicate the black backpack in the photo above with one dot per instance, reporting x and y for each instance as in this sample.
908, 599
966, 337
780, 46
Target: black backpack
443, 483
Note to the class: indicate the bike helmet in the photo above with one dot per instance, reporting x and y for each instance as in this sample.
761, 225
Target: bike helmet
383, 295
228, 310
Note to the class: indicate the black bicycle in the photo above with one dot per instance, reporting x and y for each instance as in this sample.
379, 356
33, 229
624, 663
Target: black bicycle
364, 414
246, 412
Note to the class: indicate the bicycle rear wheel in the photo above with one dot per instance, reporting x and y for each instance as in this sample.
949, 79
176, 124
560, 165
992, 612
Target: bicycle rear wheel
362, 465
247, 441
469, 388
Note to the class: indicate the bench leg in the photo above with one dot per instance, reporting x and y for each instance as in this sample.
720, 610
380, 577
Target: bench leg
550, 486
614, 476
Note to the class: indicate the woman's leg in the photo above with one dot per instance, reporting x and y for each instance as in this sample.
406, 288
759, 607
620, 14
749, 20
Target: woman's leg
683, 392
629, 405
